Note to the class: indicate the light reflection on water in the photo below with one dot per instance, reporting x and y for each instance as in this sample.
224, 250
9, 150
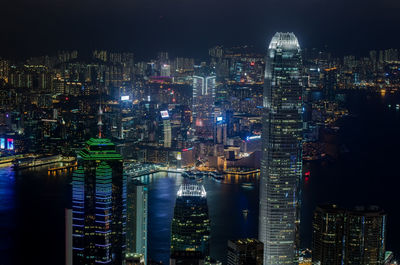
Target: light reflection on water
32, 207
7, 208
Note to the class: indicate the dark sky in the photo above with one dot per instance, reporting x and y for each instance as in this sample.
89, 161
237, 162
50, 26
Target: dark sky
190, 27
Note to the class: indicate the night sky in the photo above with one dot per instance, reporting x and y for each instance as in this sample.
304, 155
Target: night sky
190, 27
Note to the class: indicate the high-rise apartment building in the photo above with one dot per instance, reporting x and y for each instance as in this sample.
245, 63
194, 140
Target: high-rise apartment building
282, 152
98, 205
330, 83
191, 223
246, 251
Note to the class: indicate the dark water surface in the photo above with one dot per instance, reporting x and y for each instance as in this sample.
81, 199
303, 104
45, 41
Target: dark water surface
32, 203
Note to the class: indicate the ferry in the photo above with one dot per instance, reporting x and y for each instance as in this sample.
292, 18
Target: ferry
247, 185
36, 161
6, 161
217, 176
245, 212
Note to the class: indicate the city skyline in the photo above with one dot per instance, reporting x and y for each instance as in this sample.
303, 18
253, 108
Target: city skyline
210, 133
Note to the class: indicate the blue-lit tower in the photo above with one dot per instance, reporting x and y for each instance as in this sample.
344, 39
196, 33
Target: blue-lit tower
98, 205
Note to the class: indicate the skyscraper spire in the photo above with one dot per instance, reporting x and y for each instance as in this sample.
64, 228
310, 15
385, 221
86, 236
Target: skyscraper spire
100, 123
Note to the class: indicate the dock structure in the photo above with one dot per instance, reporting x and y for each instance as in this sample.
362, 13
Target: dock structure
255, 172
137, 169
62, 169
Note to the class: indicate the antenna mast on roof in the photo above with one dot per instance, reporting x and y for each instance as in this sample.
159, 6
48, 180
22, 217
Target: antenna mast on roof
100, 114
100, 122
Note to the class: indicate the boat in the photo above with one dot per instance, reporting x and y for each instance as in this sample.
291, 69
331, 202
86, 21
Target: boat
247, 185
245, 212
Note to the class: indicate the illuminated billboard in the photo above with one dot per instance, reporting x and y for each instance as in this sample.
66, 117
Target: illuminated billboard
164, 114
2, 143
124, 98
219, 118
10, 144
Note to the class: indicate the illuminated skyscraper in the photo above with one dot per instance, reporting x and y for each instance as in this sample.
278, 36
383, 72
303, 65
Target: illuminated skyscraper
348, 237
191, 224
203, 103
328, 232
281, 143
166, 133
98, 205
136, 223
365, 236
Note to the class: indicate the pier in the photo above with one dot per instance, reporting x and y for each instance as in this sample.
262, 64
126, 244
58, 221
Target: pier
63, 169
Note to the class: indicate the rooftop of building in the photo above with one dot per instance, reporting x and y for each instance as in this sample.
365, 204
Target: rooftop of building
330, 208
358, 210
246, 241
99, 149
187, 254
284, 40
191, 190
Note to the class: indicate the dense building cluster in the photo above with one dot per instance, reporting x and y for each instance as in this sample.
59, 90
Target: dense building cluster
49, 103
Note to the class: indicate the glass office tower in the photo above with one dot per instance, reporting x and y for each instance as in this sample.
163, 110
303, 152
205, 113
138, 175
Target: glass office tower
328, 235
98, 205
282, 152
247, 251
136, 223
191, 223
365, 241
349, 236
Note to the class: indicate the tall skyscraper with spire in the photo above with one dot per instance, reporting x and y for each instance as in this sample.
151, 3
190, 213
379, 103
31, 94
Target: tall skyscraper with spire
281, 163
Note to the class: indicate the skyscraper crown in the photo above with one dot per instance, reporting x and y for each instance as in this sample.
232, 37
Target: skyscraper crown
284, 40
191, 190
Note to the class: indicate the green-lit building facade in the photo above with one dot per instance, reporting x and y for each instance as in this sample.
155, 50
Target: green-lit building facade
98, 205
